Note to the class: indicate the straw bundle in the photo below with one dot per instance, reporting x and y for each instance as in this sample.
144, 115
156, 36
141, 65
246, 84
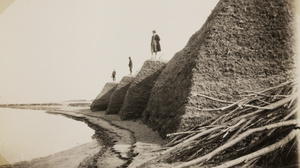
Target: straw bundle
102, 100
243, 45
139, 91
117, 97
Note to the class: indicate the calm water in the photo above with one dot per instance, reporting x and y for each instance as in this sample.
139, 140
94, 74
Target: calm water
28, 134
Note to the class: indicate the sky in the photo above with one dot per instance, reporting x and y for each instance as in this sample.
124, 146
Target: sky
53, 50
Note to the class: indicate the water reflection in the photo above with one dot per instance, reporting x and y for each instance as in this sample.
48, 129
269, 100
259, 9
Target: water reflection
28, 134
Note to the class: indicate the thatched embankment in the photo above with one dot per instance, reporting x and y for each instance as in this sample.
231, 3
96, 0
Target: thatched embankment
138, 93
102, 100
243, 46
117, 97
229, 98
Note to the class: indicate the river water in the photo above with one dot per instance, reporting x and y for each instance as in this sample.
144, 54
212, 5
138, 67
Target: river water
28, 134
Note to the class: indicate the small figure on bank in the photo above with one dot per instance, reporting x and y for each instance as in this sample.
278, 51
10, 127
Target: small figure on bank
113, 75
130, 65
155, 46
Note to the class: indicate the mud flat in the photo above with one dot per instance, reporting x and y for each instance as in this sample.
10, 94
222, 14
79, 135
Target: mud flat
116, 143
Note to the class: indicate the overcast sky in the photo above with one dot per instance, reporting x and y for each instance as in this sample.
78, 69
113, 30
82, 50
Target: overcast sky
55, 50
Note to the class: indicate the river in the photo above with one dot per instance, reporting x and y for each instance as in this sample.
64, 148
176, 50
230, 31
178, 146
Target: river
28, 134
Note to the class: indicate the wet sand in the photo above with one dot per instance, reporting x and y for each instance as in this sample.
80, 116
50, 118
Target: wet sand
116, 143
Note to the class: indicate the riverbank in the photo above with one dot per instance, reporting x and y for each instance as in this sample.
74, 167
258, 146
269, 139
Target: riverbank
116, 143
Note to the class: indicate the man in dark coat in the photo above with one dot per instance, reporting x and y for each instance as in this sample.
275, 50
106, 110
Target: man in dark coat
130, 65
113, 75
155, 46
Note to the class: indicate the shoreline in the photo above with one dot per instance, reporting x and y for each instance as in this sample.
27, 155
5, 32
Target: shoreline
116, 143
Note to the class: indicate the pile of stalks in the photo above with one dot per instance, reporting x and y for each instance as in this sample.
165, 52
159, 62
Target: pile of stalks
257, 131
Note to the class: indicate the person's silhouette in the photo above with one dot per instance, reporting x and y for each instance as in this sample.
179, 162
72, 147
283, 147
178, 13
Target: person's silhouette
130, 65
113, 75
155, 45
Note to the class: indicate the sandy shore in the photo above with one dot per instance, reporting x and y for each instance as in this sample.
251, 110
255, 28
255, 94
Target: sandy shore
116, 143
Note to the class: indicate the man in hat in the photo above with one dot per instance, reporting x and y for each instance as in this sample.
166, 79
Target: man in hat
155, 46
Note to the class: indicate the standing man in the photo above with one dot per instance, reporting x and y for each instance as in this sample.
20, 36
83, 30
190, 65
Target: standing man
130, 65
155, 46
113, 75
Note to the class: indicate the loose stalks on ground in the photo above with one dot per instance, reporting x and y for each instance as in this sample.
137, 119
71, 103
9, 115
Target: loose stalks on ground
247, 131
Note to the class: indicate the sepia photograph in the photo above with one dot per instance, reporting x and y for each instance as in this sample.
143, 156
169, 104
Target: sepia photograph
149, 83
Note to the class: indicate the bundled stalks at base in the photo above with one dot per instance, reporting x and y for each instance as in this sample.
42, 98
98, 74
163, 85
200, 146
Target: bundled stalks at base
257, 131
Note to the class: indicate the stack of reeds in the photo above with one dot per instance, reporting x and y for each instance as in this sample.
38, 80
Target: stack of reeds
259, 130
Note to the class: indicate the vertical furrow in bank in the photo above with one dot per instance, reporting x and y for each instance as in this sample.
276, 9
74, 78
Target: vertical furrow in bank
129, 154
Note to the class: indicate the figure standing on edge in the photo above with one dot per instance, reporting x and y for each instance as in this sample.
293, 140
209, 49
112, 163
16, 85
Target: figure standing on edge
113, 75
155, 46
130, 65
